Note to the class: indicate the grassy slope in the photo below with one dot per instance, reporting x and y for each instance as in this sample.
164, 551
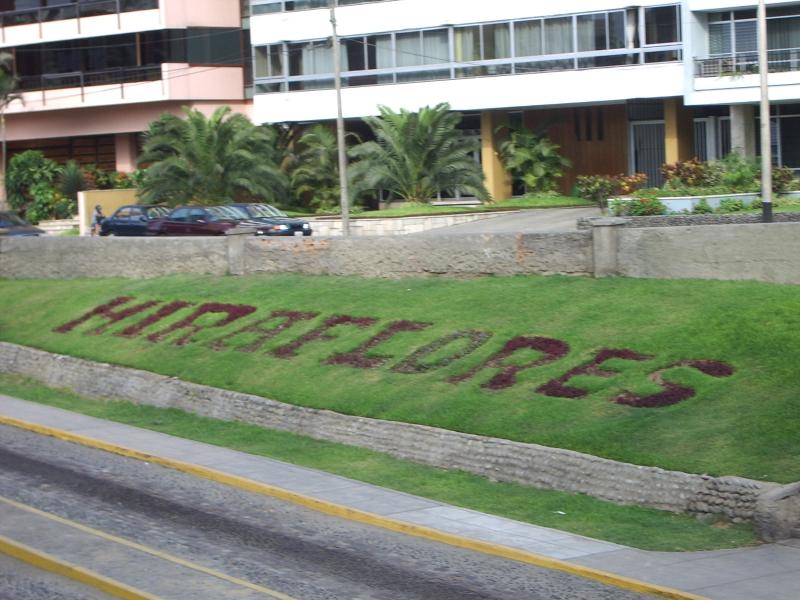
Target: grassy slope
744, 425
629, 525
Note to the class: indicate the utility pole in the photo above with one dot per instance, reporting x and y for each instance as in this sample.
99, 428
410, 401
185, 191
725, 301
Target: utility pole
766, 142
337, 80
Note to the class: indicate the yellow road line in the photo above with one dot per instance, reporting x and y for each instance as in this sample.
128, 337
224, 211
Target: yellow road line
42, 560
146, 550
360, 516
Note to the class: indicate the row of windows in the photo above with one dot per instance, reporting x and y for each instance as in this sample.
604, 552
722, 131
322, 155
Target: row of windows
260, 7
620, 37
23, 12
46, 65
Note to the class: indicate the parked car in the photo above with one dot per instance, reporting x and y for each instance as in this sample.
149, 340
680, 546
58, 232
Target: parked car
272, 221
12, 224
196, 220
132, 219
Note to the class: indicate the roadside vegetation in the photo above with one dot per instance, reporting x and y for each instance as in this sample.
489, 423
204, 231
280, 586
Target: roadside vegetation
740, 420
643, 528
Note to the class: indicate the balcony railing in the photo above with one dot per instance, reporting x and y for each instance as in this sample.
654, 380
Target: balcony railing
83, 79
736, 65
72, 10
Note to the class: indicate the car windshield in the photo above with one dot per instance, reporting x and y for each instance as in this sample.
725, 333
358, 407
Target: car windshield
9, 219
264, 210
237, 211
156, 212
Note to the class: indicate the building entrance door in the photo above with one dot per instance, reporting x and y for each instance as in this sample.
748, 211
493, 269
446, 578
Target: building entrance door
647, 142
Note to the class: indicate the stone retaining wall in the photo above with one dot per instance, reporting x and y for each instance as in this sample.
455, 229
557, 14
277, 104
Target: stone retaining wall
686, 220
496, 459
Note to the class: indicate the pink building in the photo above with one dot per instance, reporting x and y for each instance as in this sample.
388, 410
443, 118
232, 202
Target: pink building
94, 73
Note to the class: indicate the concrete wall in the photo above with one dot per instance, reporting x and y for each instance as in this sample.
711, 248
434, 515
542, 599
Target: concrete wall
497, 459
468, 255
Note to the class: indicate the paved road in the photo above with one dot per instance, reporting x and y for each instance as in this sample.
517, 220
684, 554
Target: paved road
525, 221
272, 544
20, 581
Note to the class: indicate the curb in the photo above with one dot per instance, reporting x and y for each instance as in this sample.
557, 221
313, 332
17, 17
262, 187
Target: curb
47, 562
356, 515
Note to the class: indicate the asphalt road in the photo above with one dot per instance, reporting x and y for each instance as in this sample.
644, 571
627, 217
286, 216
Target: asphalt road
524, 221
270, 543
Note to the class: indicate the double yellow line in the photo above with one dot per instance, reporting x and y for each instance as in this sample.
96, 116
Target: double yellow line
359, 516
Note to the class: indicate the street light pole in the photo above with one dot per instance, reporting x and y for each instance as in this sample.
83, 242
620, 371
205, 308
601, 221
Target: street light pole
766, 142
337, 79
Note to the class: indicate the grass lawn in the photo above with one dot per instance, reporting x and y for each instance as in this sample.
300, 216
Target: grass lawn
744, 424
523, 202
629, 525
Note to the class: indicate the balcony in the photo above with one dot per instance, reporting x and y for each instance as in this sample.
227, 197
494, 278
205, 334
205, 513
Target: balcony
738, 65
72, 10
129, 85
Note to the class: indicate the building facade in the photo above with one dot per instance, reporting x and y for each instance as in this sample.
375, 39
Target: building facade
94, 73
620, 87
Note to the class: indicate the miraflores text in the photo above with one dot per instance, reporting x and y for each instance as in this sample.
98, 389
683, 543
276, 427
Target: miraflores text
259, 330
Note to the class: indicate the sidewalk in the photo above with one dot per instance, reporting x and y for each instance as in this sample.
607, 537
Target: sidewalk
768, 572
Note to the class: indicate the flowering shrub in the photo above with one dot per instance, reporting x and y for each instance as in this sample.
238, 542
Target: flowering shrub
601, 187
162, 313
689, 173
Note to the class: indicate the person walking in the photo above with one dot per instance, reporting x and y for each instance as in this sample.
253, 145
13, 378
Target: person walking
97, 219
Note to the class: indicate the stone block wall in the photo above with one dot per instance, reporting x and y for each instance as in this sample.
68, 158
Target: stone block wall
496, 459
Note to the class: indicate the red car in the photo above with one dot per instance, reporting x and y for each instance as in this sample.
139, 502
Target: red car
194, 220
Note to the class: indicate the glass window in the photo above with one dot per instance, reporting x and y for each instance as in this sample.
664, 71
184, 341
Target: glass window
528, 38
435, 47
179, 214
591, 32
720, 39
783, 33
269, 61
746, 36
467, 43
616, 29
496, 41
661, 25
409, 52
558, 35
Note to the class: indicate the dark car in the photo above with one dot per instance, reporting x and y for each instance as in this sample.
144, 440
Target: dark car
132, 219
196, 220
12, 224
271, 221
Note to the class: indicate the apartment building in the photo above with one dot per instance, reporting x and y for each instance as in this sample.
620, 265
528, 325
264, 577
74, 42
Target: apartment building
94, 73
621, 86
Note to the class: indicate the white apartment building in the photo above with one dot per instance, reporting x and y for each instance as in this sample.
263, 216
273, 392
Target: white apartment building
621, 86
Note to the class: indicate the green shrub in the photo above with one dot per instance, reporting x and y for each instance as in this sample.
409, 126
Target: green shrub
740, 174
730, 205
534, 159
782, 179
30, 182
595, 187
702, 208
637, 207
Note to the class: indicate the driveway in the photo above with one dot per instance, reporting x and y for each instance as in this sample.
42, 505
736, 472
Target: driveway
525, 221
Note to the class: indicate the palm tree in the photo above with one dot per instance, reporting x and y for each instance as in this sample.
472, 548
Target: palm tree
215, 160
8, 87
416, 155
316, 173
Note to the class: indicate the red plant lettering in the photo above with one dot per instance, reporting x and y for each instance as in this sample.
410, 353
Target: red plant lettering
358, 358
263, 334
107, 312
161, 313
414, 364
233, 312
557, 388
289, 350
552, 350
673, 392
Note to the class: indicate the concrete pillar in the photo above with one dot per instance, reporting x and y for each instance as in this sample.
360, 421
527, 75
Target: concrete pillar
743, 130
678, 131
605, 243
498, 180
125, 145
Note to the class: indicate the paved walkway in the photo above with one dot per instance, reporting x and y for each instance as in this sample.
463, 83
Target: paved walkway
540, 220
768, 572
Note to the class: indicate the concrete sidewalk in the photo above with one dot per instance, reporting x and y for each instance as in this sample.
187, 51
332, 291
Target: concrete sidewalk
767, 572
